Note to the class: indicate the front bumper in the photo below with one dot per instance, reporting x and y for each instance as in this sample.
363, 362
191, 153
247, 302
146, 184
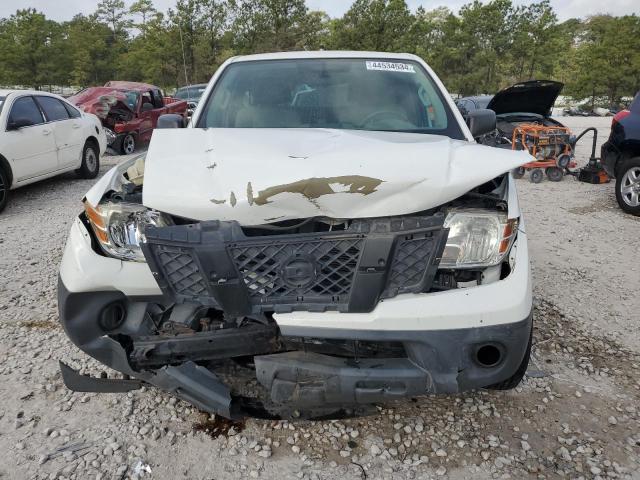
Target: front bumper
439, 333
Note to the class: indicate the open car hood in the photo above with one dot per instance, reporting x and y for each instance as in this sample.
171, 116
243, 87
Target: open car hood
535, 96
100, 101
257, 176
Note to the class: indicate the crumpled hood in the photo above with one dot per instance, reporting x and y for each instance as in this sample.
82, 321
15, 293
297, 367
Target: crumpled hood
100, 100
258, 176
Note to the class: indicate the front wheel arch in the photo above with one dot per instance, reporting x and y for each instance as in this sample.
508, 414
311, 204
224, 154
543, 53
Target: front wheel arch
4, 165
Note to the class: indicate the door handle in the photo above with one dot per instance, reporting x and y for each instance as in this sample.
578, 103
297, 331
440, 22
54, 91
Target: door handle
46, 131
76, 125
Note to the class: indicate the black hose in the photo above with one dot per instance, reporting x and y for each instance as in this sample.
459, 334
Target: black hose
595, 140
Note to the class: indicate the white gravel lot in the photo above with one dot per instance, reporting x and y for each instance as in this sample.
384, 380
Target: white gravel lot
576, 415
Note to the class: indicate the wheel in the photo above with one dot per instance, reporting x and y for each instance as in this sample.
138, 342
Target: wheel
554, 174
128, 145
90, 161
536, 175
563, 160
514, 380
4, 189
518, 172
628, 186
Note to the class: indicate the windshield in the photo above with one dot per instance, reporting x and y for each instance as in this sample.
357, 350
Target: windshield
357, 94
132, 98
1, 102
190, 93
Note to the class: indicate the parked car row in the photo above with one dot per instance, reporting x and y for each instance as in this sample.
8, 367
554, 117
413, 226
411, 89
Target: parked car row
43, 135
128, 110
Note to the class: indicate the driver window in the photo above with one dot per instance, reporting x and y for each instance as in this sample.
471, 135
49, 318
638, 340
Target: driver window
25, 108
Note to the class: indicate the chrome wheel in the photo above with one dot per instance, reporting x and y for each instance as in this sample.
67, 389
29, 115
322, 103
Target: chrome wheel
128, 145
90, 159
630, 187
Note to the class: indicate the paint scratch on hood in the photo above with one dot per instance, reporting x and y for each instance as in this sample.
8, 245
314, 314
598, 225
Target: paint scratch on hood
335, 173
313, 188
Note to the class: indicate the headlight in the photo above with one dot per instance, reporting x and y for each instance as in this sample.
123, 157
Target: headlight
111, 137
477, 238
119, 227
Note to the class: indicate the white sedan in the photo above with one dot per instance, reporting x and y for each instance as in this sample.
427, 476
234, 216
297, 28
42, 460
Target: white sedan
42, 135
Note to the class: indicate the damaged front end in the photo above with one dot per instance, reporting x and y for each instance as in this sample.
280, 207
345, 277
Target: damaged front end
114, 108
228, 292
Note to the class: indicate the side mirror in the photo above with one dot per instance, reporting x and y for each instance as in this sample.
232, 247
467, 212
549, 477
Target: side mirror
481, 122
171, 120
19, 123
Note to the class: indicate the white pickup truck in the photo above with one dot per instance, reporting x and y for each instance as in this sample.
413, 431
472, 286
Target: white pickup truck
327, 223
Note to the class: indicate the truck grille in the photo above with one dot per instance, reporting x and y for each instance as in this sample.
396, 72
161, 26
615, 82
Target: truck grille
261, 267
215, 264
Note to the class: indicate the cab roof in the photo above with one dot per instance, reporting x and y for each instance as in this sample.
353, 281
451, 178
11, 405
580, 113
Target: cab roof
324, 54
133, 86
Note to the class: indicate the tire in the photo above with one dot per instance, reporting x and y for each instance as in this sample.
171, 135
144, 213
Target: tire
536, 175
128, 144
514, 380
554, 174
563, 161
90, 161
4, 189
518, 172
628, 186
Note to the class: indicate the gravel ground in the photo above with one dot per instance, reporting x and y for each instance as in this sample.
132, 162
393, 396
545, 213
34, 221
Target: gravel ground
576, 414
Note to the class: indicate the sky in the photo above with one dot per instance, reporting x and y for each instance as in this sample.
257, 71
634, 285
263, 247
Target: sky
66, 9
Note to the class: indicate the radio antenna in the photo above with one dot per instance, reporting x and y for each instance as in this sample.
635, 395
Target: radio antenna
184, 59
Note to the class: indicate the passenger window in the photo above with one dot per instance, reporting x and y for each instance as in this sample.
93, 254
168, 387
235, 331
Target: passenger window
147, 102
26, 112
53, 109
72, 111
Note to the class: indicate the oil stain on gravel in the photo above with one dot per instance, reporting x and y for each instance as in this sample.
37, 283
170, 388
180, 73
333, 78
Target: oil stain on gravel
216, 426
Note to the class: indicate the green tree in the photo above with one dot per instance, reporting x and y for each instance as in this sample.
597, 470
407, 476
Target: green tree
184, 20
32, 50
536, 34
268, 25
213, 26
379, 25
88, 47
145, 9
607, 58
114, 13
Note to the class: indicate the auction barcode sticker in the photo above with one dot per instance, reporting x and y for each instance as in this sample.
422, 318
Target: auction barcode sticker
390, 66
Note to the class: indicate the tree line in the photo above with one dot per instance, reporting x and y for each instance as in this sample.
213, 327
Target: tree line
479, 49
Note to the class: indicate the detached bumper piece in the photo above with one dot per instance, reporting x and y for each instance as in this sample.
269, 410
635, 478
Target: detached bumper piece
84, 383
215, 264
313, 380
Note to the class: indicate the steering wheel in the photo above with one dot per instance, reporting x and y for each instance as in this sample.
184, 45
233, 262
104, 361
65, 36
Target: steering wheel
388, 113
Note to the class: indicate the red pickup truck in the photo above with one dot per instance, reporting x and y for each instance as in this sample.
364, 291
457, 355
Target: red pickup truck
129, 111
